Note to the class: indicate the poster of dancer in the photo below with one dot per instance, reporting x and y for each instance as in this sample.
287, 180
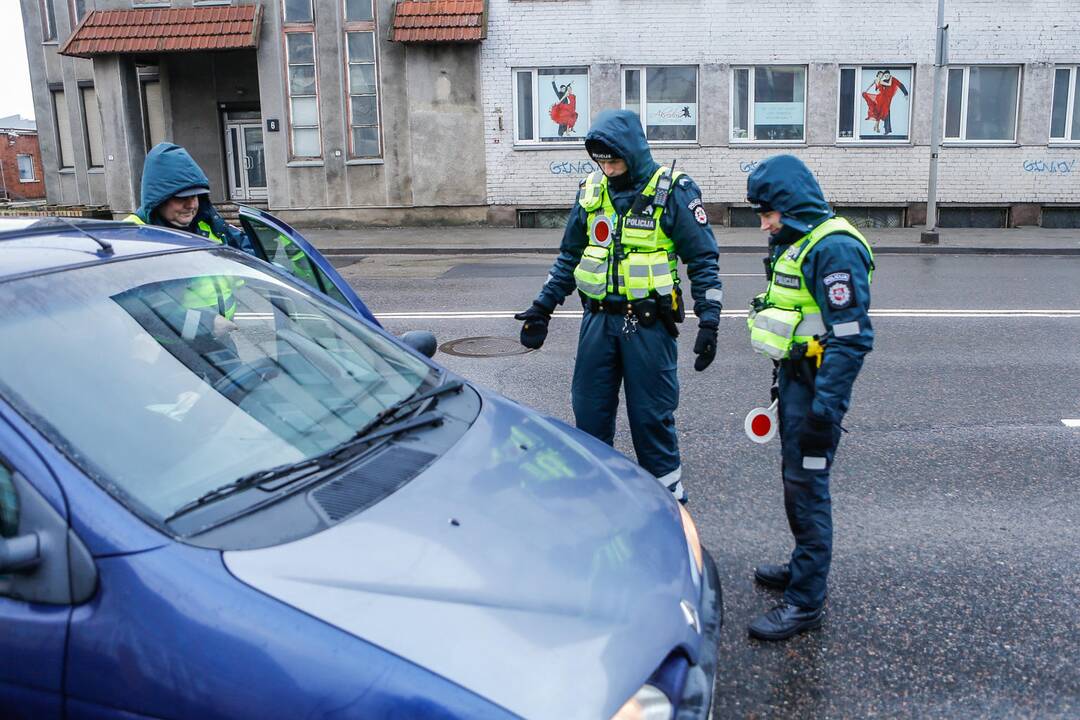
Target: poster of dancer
885, 104
563, 104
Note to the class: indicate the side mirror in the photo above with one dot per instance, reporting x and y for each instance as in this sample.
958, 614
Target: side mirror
421, 341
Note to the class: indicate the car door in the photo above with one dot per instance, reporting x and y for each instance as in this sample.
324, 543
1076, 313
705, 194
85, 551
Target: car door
284, 247
39, 582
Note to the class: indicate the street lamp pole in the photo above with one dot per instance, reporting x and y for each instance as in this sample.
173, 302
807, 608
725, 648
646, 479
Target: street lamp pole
941, 60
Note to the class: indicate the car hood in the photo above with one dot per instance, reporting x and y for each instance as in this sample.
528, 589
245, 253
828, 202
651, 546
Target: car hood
530, 564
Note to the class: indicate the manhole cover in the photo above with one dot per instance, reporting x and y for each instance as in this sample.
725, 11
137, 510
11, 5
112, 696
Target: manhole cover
484, 347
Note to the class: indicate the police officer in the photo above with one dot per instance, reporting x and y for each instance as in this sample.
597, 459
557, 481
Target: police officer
813, 322
176, 193
619, 251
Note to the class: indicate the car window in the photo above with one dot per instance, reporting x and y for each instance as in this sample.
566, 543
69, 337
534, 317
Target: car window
288, 256
168, 376
9, 504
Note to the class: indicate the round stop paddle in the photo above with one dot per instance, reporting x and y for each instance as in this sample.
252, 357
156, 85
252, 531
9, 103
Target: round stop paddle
761, 423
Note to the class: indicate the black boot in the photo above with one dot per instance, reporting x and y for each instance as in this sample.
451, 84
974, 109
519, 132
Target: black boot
786, 620
776, 577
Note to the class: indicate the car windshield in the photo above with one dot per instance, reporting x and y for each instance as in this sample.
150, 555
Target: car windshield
168, 376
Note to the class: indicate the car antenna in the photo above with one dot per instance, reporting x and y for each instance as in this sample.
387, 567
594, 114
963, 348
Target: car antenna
106, 246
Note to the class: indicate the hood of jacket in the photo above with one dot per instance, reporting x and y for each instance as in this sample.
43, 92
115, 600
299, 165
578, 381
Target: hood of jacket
168, 170
621, 131
784, 183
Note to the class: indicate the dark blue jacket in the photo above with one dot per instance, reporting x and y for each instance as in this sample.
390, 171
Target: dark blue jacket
694, 241
169, 169
836, 270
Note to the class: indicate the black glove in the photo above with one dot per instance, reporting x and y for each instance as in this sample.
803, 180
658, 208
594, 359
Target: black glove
704, 347
535, 328
816, 436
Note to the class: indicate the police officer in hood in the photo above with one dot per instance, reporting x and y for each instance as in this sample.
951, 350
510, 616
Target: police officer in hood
631, 223
176, 193
813, 322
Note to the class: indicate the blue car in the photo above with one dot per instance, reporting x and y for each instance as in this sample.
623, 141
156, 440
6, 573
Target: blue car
227, 492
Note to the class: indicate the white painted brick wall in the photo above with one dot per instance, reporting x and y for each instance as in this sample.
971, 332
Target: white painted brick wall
1032, 33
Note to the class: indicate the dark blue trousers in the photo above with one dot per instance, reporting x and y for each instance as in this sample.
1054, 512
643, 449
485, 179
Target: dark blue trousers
806, 497
645, 363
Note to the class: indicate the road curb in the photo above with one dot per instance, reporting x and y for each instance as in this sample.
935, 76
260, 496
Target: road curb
728, 249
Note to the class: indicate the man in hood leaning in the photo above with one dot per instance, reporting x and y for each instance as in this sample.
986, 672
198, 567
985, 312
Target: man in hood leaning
813, 322
631, 223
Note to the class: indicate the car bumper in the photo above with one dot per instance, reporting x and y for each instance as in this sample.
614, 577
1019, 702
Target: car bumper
696, 702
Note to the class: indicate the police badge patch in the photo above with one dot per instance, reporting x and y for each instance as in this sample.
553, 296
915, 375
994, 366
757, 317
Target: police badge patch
838, 289
699, 211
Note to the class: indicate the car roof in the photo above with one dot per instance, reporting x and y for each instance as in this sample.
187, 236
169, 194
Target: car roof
30, 245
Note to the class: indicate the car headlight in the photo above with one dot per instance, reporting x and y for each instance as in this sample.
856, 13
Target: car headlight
648, 703
693, 542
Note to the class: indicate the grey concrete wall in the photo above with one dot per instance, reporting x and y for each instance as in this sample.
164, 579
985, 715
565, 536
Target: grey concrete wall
118, 96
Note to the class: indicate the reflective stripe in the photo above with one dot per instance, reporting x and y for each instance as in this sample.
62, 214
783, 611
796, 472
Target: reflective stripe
811, 325
813, 463
776, 326
714, 295
191, 324
846, 329
766, 349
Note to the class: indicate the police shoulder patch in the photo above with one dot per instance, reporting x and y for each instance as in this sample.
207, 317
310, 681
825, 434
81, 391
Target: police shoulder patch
838, 289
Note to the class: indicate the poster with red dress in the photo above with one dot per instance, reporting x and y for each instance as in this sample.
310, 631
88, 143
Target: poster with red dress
885, 104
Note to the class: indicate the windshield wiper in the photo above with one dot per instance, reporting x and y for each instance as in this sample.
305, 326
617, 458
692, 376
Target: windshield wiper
377, 428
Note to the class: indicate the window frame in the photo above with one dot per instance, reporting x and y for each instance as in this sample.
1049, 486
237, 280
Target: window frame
536, 142
750, 93
48, 21
361, 26
855, 139
643, 102
1070, 106
965, 91
88, 139
301, 28
33, 175
60, 131
73, 8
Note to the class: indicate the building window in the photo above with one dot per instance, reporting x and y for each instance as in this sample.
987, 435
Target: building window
1064, 118
666, 100
63, 129
875, 103
299, 11
303, 95
26, 168
981, 103
358, 11
551, 105
769, 104
78, 11
48, 21
363, 95
92, 121
153, 113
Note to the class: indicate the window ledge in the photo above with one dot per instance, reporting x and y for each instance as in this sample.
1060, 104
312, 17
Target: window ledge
67, 171
96, 170
365, 161
675, 145
979, 143
305, 163
873, 143
767, 143
550, 146
1064, 144
31, 180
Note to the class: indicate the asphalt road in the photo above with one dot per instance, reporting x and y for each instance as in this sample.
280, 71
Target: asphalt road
956, 494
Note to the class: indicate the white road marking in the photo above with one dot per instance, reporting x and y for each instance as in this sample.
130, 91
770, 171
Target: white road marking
1072, 422
738, 314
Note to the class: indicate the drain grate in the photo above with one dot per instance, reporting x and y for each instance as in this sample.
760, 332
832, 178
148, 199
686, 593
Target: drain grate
484, 347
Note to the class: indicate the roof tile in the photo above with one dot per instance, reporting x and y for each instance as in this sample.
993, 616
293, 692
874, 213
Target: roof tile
433, 21
142, 30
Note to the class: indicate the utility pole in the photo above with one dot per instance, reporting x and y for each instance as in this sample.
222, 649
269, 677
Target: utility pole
941, 60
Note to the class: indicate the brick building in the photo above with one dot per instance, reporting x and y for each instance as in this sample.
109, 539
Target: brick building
414, 111
724, 83
21, 173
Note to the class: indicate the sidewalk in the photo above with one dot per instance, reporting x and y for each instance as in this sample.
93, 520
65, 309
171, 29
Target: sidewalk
485, 240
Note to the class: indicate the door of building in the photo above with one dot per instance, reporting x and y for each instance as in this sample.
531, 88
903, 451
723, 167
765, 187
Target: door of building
245, 159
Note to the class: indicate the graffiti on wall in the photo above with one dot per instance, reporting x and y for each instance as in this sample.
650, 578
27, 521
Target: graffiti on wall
569, 167
748, 166
1052, 167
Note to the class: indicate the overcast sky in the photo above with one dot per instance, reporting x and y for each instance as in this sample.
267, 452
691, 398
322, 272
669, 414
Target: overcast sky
15, 95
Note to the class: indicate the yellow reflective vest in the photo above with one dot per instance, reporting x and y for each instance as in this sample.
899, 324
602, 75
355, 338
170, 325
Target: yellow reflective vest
649, 264
787, 314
